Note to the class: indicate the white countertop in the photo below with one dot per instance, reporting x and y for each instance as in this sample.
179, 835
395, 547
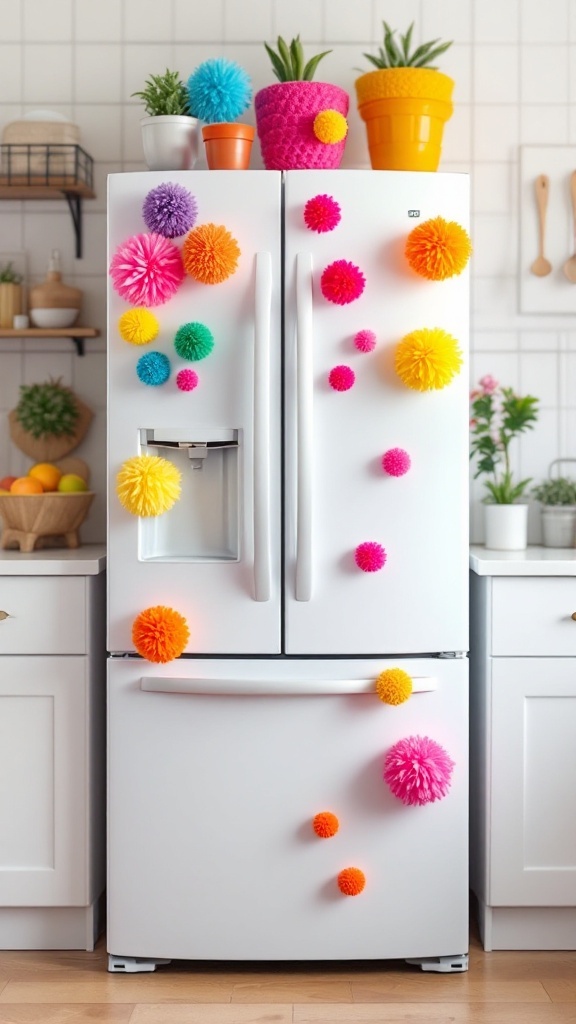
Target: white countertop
87, 560
534, 561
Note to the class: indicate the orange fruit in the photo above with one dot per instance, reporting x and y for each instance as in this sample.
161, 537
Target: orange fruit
47, 474
71, 482
26, 485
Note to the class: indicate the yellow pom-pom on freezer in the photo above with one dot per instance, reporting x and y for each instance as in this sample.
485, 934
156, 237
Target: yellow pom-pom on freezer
138, 326
330, 126
394, 686
427, 360
148, 485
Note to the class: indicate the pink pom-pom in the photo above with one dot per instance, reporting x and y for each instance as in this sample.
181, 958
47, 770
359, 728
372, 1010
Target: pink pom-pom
147, 270
365, 341
418, 770
342, 282
322, 213
187, 380
396, 462
341, 378
370, 556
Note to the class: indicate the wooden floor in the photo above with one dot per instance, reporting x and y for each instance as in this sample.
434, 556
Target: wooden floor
500, 988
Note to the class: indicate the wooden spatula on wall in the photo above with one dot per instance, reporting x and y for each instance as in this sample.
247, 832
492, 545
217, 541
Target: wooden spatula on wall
569, 267
541, 266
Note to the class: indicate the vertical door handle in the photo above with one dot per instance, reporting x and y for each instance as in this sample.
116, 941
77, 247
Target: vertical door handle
305, 425
261, 424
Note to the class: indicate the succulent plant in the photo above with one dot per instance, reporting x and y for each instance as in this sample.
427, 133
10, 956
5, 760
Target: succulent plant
8, 275
288, 64
165, 94
392, 55
47, 410
558, 491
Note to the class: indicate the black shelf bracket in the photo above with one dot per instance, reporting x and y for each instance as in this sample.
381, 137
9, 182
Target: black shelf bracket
75, 206
79, 342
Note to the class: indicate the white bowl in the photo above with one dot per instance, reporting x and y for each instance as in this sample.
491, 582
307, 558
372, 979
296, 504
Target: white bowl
53, 317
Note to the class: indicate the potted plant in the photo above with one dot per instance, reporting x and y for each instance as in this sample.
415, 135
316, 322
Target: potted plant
301, 123
405, 103
219, 91
498, 416
10, 295
170, 132
557, 496
49, 421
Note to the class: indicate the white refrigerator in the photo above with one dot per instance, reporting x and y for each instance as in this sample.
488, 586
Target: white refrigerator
221, 760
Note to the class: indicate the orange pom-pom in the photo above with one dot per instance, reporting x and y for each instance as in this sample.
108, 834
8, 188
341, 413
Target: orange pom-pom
160, 634
438, 249
210, 254
325, 824
351, 881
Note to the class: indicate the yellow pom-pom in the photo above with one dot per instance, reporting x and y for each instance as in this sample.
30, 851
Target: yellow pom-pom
330, 126
438, 249
427, 360
138, 326
394, 686
148, 485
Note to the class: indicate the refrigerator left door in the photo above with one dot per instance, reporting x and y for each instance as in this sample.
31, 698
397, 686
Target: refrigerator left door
214, 556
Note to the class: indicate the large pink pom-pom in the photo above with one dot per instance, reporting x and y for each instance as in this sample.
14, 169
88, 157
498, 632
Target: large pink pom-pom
370, 556
322, 213
342, 282
147, 270
365, 341
396, 462
341, 378
418, 770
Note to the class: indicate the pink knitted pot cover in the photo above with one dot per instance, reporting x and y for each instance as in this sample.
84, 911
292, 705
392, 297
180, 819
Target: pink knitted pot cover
285, 115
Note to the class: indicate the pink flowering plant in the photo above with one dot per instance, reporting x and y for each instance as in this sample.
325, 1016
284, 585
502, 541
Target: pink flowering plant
498, 416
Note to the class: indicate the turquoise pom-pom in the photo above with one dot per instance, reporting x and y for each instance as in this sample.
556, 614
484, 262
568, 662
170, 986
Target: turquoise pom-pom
193, 341
153, 368
219, 90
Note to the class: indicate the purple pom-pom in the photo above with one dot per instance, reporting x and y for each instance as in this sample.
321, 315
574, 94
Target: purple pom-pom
418, 770
170, 210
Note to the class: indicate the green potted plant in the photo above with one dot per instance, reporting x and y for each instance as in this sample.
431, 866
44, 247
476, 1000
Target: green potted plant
301, 123
10, 295
557, 496
49, 421
405, 103
498, 417
170, 132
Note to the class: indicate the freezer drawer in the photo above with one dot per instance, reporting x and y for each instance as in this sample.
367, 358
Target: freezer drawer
216, 771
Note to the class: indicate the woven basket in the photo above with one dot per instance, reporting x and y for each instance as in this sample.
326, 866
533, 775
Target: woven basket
285, 115
42, 159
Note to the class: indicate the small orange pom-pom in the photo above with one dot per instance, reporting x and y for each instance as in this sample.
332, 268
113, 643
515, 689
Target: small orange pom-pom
438, 249
160, 634
428, 359
351, 881
210, 254
394, 686
325, 825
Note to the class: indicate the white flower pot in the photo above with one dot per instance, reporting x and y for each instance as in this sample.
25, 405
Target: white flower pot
170, 142
558, 526
506, 527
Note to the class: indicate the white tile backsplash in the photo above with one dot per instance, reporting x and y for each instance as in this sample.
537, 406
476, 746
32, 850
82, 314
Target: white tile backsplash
544, 74
544, 23
495, 78
47, 22
300, 17
249, 21
90, 84
98, 23
149, 21
496, 21
495, 131
48, 74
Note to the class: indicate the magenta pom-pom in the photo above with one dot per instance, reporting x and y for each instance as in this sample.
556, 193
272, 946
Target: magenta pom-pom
147, 270
396, 462
418, 770
342, 282
365, 341
322, 213
370, 556
341, 378
187, 380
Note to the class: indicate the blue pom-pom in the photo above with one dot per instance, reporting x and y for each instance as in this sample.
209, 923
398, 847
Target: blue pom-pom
153, 368
219, 91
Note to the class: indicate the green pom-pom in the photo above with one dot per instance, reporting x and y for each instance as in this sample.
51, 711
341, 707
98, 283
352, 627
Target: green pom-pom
193, 341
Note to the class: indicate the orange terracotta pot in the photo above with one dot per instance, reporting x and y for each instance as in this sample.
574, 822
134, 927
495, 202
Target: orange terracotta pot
228, 146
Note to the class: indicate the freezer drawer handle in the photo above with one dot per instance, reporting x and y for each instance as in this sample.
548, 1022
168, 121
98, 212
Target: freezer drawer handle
270, 687
263, 305
305, 425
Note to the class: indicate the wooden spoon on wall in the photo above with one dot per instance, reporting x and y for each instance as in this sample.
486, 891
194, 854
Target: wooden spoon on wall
569, 267
541, 266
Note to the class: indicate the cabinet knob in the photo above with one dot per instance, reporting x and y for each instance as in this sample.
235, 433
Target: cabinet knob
4, 615
573, 616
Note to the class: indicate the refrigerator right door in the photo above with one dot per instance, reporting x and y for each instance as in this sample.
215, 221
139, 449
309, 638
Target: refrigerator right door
342, 506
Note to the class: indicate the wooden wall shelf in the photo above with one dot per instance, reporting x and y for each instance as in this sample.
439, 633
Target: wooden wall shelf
76, 334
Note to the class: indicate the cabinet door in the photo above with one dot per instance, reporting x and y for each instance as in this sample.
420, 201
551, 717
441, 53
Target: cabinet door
533, 782
42, 781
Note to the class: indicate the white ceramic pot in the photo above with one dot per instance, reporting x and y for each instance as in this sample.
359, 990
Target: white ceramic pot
506, 527
170, 142
558, 526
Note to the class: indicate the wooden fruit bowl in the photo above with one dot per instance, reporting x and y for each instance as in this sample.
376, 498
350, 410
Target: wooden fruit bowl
43, 520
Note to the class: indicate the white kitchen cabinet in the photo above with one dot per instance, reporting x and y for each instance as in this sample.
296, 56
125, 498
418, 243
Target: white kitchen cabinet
52, 748
523, 747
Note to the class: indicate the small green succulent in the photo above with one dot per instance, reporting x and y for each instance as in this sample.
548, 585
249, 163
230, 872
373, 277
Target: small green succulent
47, 410
288, 64
164, 94
8, 275
392, 55
558, 491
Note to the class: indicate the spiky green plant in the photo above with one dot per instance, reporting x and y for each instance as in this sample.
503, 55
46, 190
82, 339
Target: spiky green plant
560, 490
47, 410
392, 55
288, 64
9, 276
164, 94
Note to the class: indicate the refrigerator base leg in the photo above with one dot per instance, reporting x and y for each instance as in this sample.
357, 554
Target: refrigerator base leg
442, 964
132, 964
